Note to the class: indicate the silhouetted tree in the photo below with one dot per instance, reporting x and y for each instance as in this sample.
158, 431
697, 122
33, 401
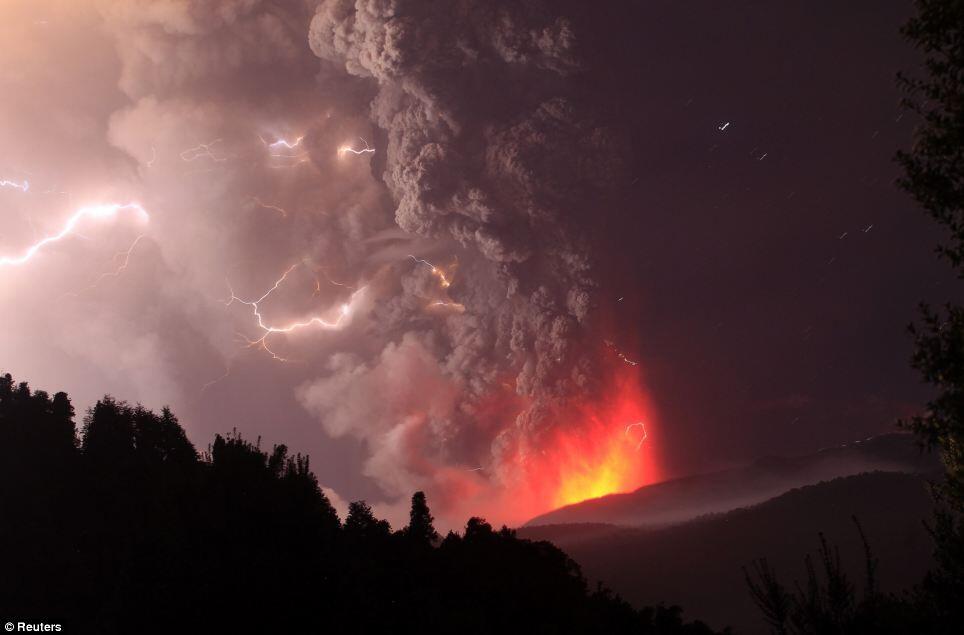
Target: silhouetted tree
420, 525
161, 439
108, 432
133, 530
362, 524
934, 176
42, 429
769, 595
62, 419
828, 602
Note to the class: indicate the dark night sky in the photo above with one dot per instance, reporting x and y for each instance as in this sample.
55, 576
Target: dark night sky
773, 320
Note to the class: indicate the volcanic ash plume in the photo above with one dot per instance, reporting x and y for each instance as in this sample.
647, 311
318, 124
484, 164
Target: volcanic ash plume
381, 219
488, 146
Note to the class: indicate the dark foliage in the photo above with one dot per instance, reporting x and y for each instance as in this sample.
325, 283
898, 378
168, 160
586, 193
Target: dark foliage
698, 563
829, 602
934, 167
934, 176
129, 529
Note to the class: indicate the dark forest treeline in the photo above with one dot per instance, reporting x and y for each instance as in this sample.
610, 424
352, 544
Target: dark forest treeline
126, 528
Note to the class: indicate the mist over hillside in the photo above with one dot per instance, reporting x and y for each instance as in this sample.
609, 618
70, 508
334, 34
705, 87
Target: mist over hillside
682, 499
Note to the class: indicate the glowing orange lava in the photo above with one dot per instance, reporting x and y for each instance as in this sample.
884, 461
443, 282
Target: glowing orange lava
604, 453
598, 449
606, 464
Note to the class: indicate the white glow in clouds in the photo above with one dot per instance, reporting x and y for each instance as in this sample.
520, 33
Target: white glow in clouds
103, 211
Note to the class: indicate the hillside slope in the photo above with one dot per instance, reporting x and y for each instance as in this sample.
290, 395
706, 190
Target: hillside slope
697, 564
682, 499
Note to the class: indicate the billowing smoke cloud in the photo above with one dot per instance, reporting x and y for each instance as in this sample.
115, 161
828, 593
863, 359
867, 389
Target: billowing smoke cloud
462, 246
485, 146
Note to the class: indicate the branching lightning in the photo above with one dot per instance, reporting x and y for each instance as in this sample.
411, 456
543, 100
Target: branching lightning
345, 149
69, 228
444, 283
284, 143
267, 330
203, 151
121, 259
436, 271
287, 160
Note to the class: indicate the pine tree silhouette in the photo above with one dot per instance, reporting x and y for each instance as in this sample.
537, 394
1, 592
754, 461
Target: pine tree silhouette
130, 529
421, 529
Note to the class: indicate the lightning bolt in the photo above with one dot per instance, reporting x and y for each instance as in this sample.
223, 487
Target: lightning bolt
23, 186
284, 143
642, 426
436, 271
125, 257
203, 151
275, 208
267, 330
330, 281
444, 282
345, 149
94, 211
288, 160
227, 371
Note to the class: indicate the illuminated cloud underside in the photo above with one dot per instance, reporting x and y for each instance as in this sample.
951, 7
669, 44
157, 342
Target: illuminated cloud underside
470, 379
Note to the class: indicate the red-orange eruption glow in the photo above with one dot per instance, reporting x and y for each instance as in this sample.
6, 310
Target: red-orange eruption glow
604, 455
597, 449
